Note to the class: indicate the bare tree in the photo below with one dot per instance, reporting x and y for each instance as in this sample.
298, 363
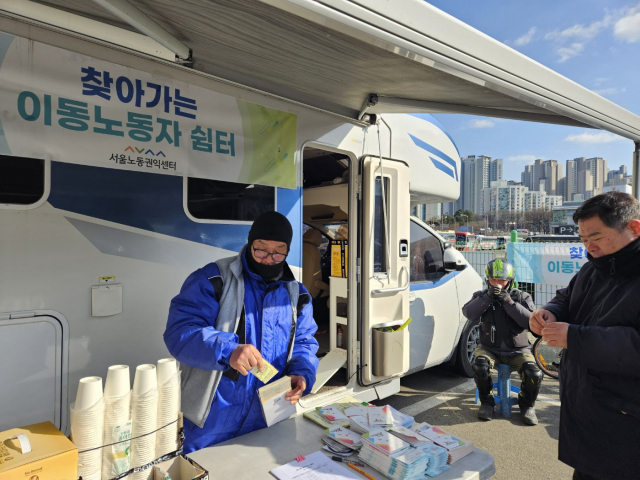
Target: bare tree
539, 219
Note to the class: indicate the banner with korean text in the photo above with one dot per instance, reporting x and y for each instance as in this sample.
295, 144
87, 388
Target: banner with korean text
550, 263
64, 106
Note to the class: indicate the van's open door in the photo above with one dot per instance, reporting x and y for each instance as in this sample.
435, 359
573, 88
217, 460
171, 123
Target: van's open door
384, 258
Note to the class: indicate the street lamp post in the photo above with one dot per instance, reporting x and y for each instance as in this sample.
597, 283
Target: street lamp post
467, 217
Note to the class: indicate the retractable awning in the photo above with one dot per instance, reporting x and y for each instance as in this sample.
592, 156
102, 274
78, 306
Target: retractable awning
353, 57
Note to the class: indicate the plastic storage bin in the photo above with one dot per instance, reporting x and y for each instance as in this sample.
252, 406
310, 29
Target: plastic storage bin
390, 352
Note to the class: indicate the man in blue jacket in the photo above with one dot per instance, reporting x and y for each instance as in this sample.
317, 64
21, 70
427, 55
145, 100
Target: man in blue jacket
230, 316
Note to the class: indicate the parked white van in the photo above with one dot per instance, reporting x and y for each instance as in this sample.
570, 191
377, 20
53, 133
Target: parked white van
127, 161
98, 243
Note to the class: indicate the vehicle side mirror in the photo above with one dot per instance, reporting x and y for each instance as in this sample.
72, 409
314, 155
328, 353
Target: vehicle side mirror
453, 259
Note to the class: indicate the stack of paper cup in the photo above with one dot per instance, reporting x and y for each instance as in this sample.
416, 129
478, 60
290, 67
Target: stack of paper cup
168, 406
87, 421
144, 418
117, 417
117, 383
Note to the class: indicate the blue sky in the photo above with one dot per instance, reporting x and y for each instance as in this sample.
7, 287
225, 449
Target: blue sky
595, 43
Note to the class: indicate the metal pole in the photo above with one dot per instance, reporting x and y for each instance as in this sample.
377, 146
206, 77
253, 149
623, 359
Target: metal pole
635, 183
141, 22
88, 27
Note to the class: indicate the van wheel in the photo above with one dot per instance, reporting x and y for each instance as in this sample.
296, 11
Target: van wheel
466, 351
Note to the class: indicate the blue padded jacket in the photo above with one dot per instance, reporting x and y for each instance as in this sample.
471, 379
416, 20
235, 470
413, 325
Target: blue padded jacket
192, 339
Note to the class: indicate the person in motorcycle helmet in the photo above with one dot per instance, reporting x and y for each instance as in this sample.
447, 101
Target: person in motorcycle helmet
504, 325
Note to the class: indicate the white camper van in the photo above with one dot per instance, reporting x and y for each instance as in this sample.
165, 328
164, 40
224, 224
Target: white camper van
129, 160
97, 241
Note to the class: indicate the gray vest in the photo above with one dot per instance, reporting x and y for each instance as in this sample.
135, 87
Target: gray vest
199, 386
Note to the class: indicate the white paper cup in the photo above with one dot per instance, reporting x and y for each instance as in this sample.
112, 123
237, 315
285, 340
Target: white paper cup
145, 379
89, 392
167, 368
118, 382
90, 465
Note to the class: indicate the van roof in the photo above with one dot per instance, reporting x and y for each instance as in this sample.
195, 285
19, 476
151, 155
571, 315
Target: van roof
352, 57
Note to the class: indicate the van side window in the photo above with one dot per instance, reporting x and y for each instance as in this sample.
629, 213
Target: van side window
379, 235
217, 200
21, 180
425, 254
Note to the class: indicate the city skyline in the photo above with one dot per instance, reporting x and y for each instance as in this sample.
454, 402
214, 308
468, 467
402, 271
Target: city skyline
542, 185
589, 42
567, 174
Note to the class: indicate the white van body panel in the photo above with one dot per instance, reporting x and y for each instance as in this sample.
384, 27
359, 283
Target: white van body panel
436, 311
430, 152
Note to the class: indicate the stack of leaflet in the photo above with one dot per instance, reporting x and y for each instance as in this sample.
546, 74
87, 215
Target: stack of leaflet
345, 437
400, 418
343, 406
380, 416
384, 442
316, 417
456, 447
357, 410
437, 456
410, 436
360, 424
392, 457
358, 418
337, 448
332, 414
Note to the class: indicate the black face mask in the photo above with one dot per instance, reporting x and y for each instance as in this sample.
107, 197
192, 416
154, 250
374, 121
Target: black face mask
269, 273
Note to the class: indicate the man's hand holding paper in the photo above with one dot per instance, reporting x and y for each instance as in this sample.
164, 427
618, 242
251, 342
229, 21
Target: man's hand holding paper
267, 373
245, 357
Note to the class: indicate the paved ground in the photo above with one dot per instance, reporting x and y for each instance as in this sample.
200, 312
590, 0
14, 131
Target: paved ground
445, 399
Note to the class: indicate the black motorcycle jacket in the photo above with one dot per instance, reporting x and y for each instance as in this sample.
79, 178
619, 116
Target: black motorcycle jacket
503, 326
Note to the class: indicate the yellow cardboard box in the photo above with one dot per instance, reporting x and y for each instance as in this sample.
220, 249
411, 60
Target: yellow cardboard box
339, 258
52, 455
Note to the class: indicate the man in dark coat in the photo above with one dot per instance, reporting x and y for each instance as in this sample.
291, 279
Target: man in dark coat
504, 319
596, 318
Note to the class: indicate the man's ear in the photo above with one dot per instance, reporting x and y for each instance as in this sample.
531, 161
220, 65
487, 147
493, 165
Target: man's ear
634, 226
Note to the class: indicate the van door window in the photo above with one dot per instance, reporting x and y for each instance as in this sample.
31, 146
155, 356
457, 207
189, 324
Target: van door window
21, 180
379, 236
426, 255
218, 200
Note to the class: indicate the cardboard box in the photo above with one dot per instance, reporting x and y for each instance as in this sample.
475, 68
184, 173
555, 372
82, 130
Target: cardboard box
339, 258
182, 468
52, 455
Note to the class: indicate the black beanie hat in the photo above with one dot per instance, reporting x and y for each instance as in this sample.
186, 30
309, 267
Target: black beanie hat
271, 226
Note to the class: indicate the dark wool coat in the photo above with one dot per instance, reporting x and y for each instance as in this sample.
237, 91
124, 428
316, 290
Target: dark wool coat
600, 370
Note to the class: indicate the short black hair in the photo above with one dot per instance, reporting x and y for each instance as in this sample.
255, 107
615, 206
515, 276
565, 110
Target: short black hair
615, 209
